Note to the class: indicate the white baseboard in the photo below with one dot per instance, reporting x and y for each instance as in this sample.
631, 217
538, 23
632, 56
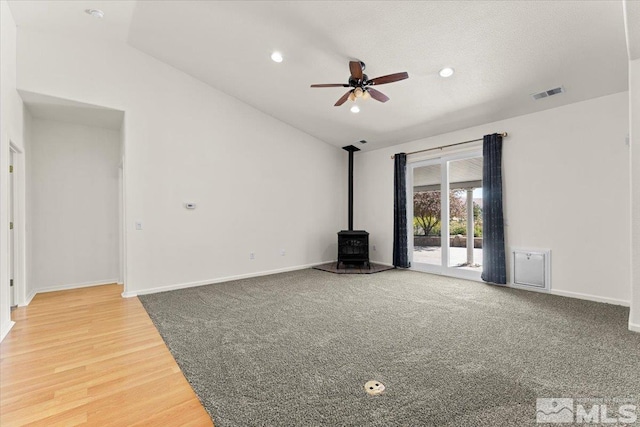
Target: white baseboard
6, 329
589, 297
129, 294
633, 327
29, 298
75, 286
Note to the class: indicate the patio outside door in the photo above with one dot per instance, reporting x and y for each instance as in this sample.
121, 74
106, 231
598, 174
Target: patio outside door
444, 198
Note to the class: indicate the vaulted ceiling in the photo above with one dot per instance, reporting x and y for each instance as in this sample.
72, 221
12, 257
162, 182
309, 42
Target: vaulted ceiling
502, 52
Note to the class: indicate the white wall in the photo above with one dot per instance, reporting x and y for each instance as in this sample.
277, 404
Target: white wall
566, 187
74, 205
260, 185
10, 130
634, 101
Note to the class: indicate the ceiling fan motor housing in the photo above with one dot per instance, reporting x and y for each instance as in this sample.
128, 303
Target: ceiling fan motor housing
361, 83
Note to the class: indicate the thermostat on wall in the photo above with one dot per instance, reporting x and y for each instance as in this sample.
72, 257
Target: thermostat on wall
190, 205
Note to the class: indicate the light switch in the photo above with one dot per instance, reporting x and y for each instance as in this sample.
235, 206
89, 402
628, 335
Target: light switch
138, 225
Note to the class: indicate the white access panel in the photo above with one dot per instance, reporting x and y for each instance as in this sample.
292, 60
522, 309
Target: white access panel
531, 269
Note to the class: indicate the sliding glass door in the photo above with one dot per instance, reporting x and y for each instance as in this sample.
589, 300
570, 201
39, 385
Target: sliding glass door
444, 204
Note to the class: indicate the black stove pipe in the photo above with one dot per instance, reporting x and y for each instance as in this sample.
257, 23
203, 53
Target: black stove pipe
351, 149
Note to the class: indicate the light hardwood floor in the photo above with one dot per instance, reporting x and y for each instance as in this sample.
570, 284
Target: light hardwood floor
90, 357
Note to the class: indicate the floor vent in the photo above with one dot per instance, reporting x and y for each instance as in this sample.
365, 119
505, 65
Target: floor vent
531, 269
546, 93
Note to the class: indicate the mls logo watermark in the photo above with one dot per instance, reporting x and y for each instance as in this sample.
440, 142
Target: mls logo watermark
554, 410
586, 411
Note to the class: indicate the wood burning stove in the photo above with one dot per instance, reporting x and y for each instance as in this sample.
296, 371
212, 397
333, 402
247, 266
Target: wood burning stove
353, 245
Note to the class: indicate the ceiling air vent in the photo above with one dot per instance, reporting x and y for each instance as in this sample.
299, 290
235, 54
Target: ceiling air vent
547, 93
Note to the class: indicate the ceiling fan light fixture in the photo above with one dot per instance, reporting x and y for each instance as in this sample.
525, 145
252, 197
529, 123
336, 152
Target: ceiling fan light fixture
96, 13
358, 92
366, 95
355, 109
352, 96
276, 57
446, 72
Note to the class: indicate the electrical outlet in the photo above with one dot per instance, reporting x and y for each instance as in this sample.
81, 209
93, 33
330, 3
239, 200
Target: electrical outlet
374, 247
252, 255
282, 252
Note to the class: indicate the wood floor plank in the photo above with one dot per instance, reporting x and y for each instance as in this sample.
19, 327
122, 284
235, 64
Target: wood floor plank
90, 357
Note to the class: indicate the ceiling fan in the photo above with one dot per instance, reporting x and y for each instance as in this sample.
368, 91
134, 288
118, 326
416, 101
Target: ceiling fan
362, 85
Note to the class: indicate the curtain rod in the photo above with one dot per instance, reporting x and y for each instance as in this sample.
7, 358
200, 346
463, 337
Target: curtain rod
503, 134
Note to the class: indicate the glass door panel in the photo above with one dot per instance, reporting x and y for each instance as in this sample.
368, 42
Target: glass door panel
427, 215
465, 214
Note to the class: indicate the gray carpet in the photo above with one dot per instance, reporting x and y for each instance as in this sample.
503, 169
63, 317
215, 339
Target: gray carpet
295, 349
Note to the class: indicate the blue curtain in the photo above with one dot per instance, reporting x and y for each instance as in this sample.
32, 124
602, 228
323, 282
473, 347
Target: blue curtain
400, 250
493, 251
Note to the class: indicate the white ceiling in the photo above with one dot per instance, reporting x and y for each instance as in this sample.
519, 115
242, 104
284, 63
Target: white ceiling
69, 17
62, 110
501, 51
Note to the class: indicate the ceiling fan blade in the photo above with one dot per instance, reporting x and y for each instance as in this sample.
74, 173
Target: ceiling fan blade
388, 79
342, 100
377, 95
356, 69
331, 85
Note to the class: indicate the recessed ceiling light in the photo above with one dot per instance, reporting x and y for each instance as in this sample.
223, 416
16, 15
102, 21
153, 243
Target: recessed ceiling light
355, 109
446, 72
96, 13
276, 57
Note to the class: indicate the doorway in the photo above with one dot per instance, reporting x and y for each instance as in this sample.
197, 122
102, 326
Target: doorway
444, 208
75, 193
